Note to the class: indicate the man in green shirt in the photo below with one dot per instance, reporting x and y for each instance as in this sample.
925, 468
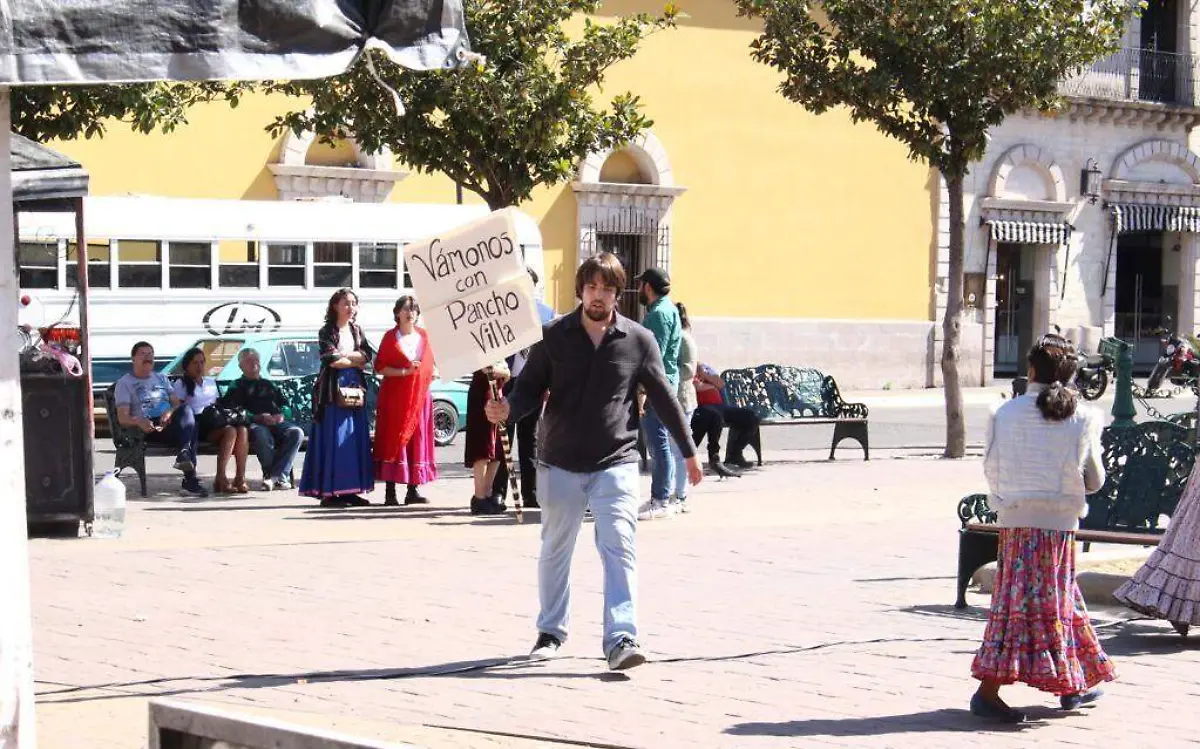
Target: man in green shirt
662, 319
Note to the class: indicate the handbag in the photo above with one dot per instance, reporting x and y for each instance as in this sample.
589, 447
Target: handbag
218, 416
350, 397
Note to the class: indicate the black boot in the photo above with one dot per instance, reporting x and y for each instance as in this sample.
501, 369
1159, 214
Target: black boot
716, 466
486, 506
389, 496
412, 498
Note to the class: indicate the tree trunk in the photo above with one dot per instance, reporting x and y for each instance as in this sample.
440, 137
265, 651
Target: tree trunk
956, 428
16, 649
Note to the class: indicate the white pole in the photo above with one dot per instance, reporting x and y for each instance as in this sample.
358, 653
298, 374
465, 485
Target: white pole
16, 621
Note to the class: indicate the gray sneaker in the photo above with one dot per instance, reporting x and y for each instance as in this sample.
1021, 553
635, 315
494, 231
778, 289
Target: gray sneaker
625, 655
679, 506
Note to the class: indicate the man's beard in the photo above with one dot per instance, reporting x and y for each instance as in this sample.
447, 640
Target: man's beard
645, 300
597, 314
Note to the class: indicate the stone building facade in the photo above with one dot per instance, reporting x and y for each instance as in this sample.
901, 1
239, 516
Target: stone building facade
1088, 218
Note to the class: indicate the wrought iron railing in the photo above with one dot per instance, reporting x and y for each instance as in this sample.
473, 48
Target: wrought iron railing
1137, 75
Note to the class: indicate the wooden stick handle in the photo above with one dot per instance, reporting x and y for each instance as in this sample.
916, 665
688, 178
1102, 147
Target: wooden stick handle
514, 482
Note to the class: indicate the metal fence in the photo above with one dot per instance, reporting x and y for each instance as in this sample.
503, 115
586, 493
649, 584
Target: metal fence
1137, 75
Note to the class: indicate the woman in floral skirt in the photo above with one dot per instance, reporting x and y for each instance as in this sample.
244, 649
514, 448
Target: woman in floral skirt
1042, 459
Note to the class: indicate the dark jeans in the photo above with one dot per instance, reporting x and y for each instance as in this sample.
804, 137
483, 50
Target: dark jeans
180, 434
276, 447
525, 432
708, 421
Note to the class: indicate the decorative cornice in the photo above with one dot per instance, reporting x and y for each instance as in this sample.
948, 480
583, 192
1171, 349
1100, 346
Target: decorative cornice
308, 181
1129, 113
1027, 206
621, 194
1150, 193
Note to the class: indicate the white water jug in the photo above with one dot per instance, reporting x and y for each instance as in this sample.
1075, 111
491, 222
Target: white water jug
108, 503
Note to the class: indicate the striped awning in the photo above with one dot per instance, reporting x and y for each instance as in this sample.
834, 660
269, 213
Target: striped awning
1134, 217
1030, 232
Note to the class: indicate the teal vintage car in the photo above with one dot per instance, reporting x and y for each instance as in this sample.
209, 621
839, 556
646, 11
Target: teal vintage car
293, 361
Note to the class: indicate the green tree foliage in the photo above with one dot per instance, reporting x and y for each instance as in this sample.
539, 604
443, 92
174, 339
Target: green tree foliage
524, 117
44, 113
935, 75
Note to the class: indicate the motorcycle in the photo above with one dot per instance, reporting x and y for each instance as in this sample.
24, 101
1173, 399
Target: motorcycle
1178, 363
1091, 375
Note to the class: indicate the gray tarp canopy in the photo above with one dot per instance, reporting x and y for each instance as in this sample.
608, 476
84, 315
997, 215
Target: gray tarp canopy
112, 41
43, 178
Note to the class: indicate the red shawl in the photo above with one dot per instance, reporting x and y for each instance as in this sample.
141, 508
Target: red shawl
400, 398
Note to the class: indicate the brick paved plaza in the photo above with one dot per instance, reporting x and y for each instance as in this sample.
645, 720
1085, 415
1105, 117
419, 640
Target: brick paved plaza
807, 604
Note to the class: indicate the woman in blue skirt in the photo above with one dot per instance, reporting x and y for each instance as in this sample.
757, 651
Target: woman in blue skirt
337, 466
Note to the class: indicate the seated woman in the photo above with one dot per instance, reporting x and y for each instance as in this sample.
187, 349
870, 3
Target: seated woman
199, 394
713, 415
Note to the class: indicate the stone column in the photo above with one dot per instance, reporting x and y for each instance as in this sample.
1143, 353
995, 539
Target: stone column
16, 642
1043, 259
1189, 266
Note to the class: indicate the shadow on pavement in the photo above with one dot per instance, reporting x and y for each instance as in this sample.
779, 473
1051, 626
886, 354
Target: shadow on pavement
1146, 637
932, 721
498, 668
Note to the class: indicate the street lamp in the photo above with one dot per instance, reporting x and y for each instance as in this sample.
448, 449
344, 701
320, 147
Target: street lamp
1090, 181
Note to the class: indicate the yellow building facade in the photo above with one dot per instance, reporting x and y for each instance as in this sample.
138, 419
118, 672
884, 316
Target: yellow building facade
793, 238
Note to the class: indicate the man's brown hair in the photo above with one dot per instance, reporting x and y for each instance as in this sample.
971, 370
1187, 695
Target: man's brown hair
607, 266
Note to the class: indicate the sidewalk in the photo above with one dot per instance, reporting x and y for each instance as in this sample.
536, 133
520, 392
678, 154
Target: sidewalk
807, 604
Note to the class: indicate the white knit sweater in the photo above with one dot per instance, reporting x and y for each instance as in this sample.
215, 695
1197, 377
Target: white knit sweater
1040, 471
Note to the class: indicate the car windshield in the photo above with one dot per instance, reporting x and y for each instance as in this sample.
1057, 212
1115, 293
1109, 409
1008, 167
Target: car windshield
217, 353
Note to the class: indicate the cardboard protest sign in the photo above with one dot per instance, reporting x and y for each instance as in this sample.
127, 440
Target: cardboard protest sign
476, 296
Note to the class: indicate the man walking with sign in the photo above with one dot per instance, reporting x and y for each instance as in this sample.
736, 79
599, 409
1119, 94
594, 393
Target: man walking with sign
591, 362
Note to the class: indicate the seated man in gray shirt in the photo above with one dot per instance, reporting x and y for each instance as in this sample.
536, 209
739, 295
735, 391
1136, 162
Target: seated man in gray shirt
592, 361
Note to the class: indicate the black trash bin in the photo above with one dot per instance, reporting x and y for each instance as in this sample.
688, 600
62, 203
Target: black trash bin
58, 456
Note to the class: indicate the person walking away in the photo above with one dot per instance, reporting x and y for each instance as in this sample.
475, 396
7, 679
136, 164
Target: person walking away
218, 425
274, 440
146, 401
525, 431
1041, 461
337, 464
591, 362
689, 356
482, 449
1167, 586
662, 319
404, 438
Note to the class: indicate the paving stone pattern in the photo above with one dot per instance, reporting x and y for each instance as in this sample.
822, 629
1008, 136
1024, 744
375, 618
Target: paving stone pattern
804, 605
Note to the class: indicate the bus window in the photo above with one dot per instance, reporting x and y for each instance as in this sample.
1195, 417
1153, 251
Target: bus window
190, 265
99, 271
139, 264
331, 264
238, 265
285, 264
38, 265
377, 265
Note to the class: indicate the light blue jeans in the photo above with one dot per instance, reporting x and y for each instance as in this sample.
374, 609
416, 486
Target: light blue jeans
662, 468
680, 475
564, 496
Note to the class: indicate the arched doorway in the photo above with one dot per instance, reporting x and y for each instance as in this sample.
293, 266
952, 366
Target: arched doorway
625, 197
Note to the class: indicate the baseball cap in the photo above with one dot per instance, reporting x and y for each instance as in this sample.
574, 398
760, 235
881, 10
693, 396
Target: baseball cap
657, 278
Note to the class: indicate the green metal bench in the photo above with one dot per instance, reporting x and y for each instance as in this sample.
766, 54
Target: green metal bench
131, 445
1148, 466
793, 395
